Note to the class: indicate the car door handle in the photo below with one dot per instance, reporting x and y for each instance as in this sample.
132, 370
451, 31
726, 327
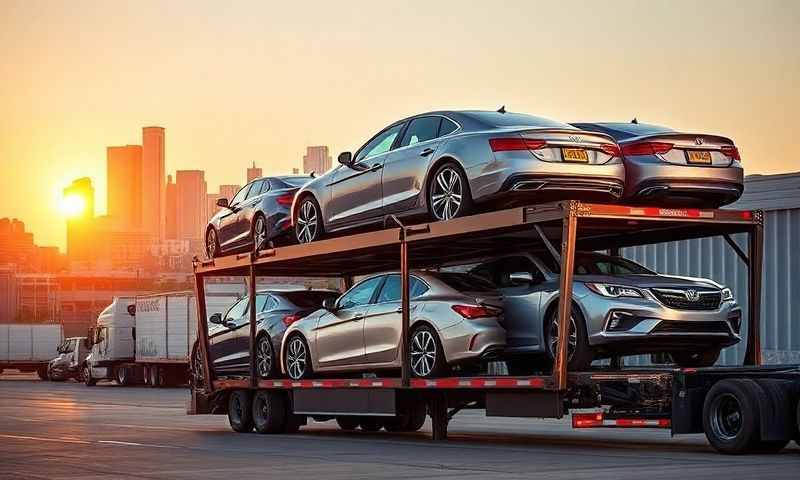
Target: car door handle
357, 318
400, 309
376, 167
426, 152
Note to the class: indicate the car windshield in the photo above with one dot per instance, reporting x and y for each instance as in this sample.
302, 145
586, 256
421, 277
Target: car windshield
496, 119
308, 299
599, 264
464, 282
622, 131
295, 181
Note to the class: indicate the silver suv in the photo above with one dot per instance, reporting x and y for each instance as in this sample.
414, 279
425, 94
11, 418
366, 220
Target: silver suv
619, 308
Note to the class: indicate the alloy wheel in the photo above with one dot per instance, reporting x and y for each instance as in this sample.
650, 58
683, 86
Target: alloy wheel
264, 358
296, 359
307, 222
423, 353
211, 243
259, 233
554, 336
446, 195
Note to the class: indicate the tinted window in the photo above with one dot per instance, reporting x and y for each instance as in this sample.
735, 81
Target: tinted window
599, 264
495, 119
464, 282
240, 195
265, 186
421, 130
499, 271
622, 131
306, 300
392, 290
361, 294
238, 310
447, 126
261, 302
380, 144
255, 189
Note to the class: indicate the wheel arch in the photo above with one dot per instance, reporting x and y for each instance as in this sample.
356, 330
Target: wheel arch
552, 305
415, 324
287, 337
444, 158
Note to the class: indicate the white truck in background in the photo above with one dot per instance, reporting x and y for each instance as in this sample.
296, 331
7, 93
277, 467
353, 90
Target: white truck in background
147, 339
29, 347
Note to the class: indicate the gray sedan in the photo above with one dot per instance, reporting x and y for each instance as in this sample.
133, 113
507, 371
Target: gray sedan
619, 308
455, 320
446, 164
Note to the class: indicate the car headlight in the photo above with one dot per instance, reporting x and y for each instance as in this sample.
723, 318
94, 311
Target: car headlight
615, 291
727, 295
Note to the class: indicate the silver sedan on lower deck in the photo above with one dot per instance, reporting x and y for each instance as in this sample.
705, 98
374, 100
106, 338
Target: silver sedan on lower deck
456, 319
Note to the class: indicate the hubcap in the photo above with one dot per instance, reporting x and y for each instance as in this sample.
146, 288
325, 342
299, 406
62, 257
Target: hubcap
296, 359
211, 243
423, 353
260, 233
307, 222
727, 418
446, 194
573, 337
264, 364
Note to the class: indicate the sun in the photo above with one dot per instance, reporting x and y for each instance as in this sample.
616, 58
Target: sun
73, 206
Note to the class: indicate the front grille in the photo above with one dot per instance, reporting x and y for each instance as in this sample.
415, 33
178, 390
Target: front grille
669, 326
679, 300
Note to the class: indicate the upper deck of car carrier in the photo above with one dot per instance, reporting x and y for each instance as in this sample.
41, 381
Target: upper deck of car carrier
558, 229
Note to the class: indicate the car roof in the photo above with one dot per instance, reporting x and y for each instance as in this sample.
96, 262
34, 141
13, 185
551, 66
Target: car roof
474, 119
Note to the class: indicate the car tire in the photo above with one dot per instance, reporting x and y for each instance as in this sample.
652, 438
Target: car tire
259, 233
308, 226
265, 354
297, 362
427, 359
87, 376
270, 411
240, 411
347, 423
449, 195
581, 356
731, 416
705, 358
212, 244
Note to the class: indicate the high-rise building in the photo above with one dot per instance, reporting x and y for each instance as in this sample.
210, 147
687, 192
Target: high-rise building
253, 173
190, 199
124, 173
317, 159
228, 191
79, 226
153, 184
211, 204
171, 211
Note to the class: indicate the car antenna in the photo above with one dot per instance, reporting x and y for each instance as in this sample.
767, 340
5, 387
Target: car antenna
501, 109
635, 121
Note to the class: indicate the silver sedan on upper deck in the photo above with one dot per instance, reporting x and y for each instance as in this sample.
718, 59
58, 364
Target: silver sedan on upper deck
446, 164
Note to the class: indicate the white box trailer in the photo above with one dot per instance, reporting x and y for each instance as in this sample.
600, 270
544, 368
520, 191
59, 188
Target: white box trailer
28, 347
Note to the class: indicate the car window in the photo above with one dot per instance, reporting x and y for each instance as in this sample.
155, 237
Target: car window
240, 195
465, 282
392, 289
255, 189
381, 143
447, 126
262, 300
265, 186
238, 310
499, 271
421, 130
309, 299
361, 294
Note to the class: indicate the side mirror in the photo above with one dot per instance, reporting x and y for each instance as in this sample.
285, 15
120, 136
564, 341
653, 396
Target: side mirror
216, 319
329, 304
346, 158
521, 278
222, 202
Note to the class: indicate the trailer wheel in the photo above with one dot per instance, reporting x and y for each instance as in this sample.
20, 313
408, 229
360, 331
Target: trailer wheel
731, 416
347, 423
123, 376
87, 376
370, 424
240, 413
417, 418
780, 414
270, 413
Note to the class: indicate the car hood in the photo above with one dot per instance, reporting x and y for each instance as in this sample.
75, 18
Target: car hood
649, 281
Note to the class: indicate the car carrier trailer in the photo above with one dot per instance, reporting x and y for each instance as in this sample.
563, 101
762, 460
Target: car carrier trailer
740, 409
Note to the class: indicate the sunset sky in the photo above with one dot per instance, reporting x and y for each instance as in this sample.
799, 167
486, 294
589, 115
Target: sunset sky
235, 82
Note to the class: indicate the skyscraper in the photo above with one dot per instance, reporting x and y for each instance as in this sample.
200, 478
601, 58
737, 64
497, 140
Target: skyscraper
190, 200
124, 173
317, 159
228, 191
153, 184
171, 211
253, 173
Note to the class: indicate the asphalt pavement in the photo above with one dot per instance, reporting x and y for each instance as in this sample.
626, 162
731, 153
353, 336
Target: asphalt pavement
51, 430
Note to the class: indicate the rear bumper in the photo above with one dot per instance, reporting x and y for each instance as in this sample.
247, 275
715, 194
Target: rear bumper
552, 187
473, 339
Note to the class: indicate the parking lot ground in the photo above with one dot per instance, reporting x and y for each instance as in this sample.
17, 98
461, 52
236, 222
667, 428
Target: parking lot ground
51, 430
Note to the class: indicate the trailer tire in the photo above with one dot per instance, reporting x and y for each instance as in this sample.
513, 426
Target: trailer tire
87, 376
347, 423
778, 415
419, 413
123, 376
731, 416
370, 424
269, 411
240, 411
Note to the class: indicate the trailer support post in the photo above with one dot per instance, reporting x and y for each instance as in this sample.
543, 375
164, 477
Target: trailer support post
755, 239
569, 230
251, 288
405, 306
202, 329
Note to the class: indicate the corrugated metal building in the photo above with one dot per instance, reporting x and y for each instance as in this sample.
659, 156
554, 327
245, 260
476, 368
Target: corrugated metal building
779, 197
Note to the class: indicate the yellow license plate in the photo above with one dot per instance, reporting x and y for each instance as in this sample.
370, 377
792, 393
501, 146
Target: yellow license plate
575, 155
698, 158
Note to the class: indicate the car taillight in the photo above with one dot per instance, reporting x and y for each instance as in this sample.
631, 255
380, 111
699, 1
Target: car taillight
290, 319
475, 311
646, 148
611, 149
509, 144
285, 199
730, 151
